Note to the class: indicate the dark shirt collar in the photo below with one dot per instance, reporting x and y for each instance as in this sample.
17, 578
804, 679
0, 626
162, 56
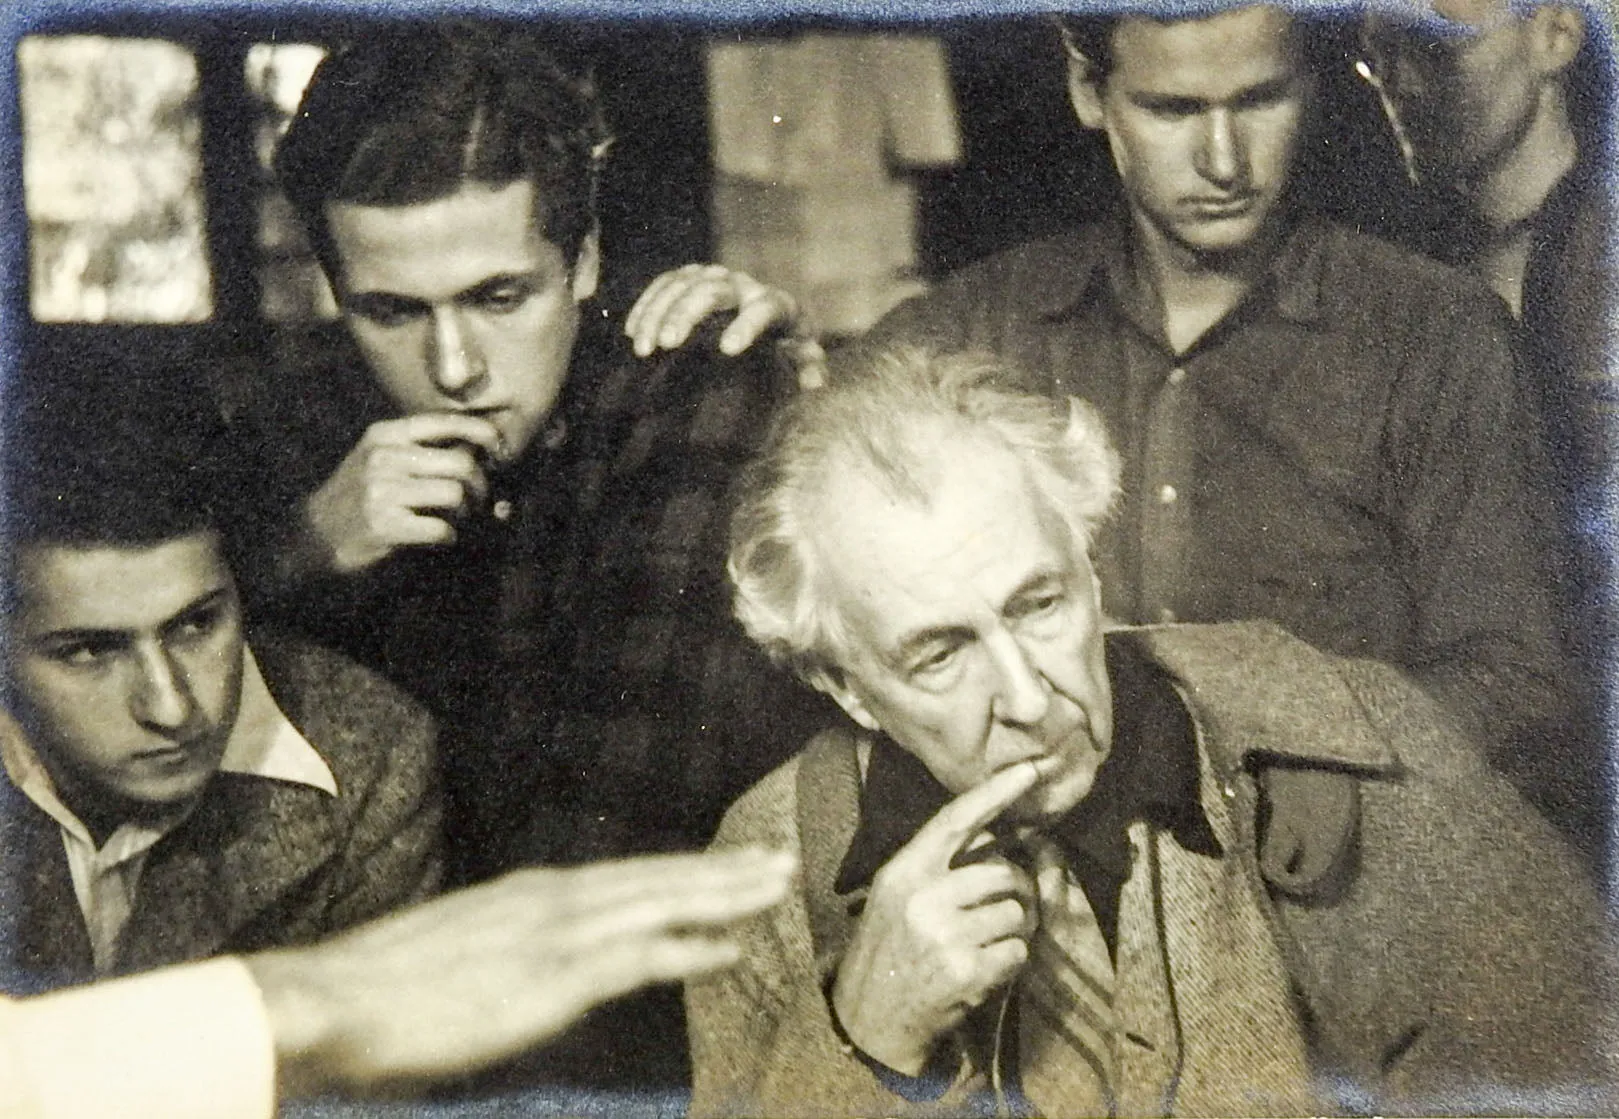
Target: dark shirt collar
1104, 268
1151, 774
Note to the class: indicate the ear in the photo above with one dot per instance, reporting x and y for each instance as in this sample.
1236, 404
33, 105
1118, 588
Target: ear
833, 682
1557, 32
1084, 85
587, 267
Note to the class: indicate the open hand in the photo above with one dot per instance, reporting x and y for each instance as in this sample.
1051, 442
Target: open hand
477, 975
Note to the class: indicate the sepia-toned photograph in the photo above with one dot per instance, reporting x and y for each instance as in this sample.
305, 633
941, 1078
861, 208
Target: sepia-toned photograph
808, 558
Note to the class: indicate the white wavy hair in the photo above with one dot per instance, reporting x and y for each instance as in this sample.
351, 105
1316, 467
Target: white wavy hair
884, 418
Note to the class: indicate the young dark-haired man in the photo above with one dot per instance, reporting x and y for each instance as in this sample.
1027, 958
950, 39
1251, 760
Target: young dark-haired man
1316, 427
520, 524
172, 789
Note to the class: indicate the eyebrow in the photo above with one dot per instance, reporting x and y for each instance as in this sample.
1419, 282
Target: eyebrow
912, 643
70, 635
1258, 93
216, 597
379, 298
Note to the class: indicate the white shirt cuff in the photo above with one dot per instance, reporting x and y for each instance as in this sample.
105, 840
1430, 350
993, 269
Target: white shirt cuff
185, 1042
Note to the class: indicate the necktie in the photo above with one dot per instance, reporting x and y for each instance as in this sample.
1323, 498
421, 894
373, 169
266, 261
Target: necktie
1066, 1022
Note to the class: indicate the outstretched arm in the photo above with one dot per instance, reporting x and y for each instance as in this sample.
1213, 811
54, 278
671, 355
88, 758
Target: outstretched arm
443, 988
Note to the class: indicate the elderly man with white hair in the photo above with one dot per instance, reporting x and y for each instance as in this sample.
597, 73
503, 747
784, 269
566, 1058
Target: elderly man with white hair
1035, 875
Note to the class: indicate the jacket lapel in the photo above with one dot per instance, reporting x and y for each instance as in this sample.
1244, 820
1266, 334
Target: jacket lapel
1236, 1036
250, 847
828, 814
42, 932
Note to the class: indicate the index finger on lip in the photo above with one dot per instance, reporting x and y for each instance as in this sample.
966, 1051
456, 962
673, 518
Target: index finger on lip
440, 427
958, 822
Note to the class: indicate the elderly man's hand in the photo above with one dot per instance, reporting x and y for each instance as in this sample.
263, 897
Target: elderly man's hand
480, 974
935, 941
403, 485
675, 303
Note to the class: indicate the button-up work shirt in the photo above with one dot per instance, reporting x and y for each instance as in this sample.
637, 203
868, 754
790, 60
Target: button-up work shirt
106, 879
1345, 453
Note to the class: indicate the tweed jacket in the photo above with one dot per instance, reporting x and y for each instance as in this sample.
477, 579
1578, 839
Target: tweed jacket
259, 863
1450, 961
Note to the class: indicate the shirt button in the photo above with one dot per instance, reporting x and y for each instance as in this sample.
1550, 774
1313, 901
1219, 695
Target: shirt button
501, 510
1166, 615
1176, 376
1167, 495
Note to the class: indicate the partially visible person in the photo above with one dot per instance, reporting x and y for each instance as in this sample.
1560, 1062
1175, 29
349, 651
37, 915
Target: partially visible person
1495, 99
1507, 111
174, 787
437, 990
1040, 872
485, 496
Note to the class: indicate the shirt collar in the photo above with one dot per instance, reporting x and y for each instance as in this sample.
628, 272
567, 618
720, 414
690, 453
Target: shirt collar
1151, 774
263, 743
1103, 266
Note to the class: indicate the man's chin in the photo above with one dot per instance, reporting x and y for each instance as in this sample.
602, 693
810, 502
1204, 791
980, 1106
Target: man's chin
1221, 241
166, 783
518, 437
159, 798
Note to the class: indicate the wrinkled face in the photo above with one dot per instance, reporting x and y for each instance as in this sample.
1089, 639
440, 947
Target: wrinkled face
1463, 80
1203, 117
461, 305
974, 631
125, 665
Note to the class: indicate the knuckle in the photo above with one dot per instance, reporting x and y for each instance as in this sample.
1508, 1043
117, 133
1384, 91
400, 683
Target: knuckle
889, 875
376, 508
959, 970
919, 915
